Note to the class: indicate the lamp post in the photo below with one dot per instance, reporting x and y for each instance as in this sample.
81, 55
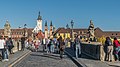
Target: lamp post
24, 29
67, 26
72, 23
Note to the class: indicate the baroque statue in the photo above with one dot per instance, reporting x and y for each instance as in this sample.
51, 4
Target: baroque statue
91, 31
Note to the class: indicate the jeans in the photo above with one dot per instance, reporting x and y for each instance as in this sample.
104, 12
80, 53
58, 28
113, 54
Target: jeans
6, 54
78, 48
117, 50
48, 49
2, 52
52, 48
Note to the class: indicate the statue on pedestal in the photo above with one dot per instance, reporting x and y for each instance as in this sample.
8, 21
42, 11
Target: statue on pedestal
91, 31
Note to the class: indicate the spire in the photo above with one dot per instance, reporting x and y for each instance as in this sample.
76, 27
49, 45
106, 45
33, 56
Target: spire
51, 23
39, 17
45, 23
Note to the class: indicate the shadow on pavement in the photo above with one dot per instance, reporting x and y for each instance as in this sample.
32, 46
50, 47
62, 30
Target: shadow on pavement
72, 52
47, 56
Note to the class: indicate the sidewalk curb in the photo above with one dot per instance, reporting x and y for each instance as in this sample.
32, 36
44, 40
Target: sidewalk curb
90, 56
18, 59
78, 63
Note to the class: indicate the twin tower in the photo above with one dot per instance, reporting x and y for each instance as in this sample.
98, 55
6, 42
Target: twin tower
38, 28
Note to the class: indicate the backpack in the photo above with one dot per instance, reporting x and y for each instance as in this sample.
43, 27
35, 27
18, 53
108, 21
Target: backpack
77, 41
109, 43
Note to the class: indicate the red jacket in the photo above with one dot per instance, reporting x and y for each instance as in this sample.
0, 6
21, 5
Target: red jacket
116, 43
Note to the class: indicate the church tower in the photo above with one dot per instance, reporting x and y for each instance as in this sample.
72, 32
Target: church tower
7, 29
39, 22
46, 30
51, 28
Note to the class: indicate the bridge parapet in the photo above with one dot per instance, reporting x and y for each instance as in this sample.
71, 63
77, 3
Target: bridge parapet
92, 49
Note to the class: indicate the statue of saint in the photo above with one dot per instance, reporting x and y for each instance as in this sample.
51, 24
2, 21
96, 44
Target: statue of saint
91, 30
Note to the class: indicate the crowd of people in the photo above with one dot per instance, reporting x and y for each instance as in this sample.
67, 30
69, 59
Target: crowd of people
49, 45
6, 46
112, 48
53, 45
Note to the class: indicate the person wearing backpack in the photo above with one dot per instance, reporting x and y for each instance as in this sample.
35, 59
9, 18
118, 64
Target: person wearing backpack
77, 47
109, 49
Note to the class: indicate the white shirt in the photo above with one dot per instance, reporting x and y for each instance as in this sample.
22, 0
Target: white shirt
2, 43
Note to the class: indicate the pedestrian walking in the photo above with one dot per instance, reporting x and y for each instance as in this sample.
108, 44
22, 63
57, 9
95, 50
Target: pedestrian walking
48, 45
18, 45
10, 46
6, 53
36, 44
52, 46
109, 49
62, 46
2, 43
22, 43
57, 46
44, 44
77, 47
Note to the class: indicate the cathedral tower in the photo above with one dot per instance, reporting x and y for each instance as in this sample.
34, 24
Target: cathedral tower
51, 28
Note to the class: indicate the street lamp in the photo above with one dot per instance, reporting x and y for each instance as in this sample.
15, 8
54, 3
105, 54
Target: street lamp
67, 26
72, 23
24, 29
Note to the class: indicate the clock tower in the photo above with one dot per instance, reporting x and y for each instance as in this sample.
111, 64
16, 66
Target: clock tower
39, 24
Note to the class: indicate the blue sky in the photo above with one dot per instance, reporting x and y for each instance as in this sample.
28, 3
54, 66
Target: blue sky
104, 13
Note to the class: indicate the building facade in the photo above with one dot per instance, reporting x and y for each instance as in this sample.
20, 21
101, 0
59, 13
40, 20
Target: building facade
66, 33
15, 33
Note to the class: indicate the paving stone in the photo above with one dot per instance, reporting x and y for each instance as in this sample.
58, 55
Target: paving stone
41, 59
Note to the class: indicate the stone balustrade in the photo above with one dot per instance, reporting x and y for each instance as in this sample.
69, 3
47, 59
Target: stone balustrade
91, 49
94, 50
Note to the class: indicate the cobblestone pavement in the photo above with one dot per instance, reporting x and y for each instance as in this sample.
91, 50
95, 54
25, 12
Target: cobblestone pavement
40, 59
89, 62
